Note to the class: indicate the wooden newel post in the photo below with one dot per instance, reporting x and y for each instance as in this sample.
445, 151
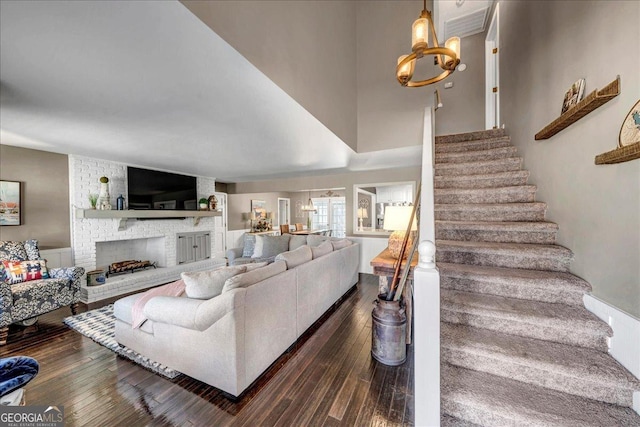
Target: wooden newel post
426, 299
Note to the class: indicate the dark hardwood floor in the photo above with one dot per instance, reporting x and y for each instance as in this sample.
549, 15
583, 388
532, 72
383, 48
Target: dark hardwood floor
327, 379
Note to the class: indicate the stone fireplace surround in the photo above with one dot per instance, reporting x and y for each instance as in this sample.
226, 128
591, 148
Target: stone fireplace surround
84, 175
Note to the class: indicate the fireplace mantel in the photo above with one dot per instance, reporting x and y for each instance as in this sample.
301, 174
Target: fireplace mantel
124, 215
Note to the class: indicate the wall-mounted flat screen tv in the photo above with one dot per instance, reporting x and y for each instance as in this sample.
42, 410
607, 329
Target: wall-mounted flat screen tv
156, 190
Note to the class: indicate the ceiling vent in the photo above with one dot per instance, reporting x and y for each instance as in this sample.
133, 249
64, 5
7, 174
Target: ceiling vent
466, 25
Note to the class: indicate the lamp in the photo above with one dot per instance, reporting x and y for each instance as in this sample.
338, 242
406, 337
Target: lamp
362, 213
448, 57
396, 219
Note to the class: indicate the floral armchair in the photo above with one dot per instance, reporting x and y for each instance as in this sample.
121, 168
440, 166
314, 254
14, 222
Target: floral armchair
28, 288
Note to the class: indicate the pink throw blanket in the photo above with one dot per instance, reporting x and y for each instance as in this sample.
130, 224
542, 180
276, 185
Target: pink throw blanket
174, 289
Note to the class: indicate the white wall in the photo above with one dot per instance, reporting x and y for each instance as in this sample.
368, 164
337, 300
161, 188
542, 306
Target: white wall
545, 47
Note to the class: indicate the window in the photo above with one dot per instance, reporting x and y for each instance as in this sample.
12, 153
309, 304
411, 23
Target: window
330, 213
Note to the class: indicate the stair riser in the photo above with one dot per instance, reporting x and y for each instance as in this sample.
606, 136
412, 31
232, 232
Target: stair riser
461, 147
505, 165
499, 214
565, 335
513, 195
474, 156
513, 290
471, 181
518, 370
522, 260
538, 237
471, 136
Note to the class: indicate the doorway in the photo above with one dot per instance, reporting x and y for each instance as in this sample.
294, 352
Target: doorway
284, 211
492, 72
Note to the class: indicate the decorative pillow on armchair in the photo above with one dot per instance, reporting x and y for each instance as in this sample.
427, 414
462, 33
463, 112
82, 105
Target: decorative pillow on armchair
12, 251
24, 271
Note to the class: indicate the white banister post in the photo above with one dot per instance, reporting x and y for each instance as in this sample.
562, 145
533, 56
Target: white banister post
426, 293
426, 297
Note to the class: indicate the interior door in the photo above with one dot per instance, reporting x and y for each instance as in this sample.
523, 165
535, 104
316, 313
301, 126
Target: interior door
284, 211
219, 238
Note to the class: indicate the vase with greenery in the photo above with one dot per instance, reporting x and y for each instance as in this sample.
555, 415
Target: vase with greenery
93, 200
204, 203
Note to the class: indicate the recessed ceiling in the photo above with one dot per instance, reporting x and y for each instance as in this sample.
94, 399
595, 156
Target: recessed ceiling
148, 84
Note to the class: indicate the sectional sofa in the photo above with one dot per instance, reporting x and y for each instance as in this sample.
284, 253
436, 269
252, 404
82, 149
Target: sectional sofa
229, 340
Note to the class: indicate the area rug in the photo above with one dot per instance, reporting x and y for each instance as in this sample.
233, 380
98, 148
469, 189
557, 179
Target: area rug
99, 325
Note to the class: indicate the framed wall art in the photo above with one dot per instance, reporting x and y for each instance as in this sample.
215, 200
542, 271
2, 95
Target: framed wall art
630, 129
259, 208
10, 206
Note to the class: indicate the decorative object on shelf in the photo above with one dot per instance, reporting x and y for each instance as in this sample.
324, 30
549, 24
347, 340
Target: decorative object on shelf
259, 208
396, 219
96, 278
104, 200
628, 140
630, 129
204, 204
590, 102
213, 202
362, 214
120, 203
447, 57
573, 96
10, 206
93, 200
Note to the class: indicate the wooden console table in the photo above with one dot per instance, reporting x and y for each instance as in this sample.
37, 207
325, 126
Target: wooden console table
383, 267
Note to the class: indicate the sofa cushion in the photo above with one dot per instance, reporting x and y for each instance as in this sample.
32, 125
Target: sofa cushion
295, 241
12, 251
250, 277
249, 245
341, 243
209, 284
254, 265
268, 246
24, 271
322, 249
315, 240
296, 257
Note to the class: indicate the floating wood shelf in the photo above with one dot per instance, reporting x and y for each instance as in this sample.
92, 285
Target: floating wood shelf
124, 215
592, 101
619, 155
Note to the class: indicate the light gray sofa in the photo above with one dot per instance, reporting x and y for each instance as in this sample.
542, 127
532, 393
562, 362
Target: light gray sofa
270, 248
228, 341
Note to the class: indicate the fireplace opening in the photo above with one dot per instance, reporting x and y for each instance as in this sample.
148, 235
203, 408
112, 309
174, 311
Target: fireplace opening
129, 256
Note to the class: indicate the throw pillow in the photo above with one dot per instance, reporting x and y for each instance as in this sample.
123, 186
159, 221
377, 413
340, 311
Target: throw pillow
249, 245
3, 273
12, 251
295, 241
251, 277
32, 250
24, 271
296, 257
315, 240
209, 284
322, 249
341, 243
270, 246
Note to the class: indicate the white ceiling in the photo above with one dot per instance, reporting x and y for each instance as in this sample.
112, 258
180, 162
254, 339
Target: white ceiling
148, 84
460, 18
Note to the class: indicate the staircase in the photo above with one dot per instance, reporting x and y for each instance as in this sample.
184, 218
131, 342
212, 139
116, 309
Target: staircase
518, 348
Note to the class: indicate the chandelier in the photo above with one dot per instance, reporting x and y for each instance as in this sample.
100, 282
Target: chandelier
447, 57
309, 206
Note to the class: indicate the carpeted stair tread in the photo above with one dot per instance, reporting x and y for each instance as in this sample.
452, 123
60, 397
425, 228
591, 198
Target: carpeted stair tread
449, 421
541, 232
479, 167
532, 211
487, 180
513, 194
534, 285
545, 321
575, 370
511, 255
470, 136
471, 156
493, 401
475, 145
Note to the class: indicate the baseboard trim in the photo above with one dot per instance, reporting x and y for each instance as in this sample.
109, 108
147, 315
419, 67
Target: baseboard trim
624, 346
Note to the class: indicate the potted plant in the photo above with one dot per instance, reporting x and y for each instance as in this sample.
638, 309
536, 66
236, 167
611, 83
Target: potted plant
93, 200
204, 204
